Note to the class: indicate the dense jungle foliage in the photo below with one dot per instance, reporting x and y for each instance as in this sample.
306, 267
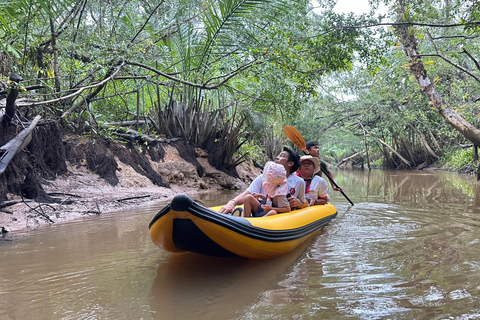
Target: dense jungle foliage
398, 90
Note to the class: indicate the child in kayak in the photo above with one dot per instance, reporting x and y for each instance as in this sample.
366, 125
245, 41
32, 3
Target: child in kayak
274, 182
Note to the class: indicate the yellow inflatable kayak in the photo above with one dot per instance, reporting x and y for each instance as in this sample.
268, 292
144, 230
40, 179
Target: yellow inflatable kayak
184, 225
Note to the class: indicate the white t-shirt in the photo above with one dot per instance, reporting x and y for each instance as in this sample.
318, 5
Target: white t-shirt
296, 186
318, 189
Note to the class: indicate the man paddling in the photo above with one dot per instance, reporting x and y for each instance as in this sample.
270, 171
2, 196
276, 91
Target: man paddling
296, 186
314, 151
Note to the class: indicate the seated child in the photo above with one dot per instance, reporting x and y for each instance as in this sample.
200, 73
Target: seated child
274, 182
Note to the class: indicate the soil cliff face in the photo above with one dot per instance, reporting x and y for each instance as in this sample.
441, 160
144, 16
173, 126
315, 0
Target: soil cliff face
60, 178
43, 158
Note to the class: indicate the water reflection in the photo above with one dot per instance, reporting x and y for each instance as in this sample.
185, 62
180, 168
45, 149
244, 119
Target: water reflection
425, 188
191, 286
408, 249
476, 196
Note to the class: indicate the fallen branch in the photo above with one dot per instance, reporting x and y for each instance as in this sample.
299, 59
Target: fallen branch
131, 198
132, 135
124, 123
42, 213
349, 158
63, 194
16, 144
12, 202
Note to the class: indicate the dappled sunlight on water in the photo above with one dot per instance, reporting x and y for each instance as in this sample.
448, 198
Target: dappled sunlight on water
408, 249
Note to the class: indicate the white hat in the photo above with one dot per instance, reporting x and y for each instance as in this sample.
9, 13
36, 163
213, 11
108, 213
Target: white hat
274, 179
314, 160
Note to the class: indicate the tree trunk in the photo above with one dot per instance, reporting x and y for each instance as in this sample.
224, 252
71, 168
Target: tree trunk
344, 160
11, 106
56, 68
366, 148
434, 140
427, 146
405, 161
408, 148
138, 106
409, 41
424, 142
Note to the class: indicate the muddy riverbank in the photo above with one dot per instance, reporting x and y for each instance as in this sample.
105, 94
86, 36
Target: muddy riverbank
80, 192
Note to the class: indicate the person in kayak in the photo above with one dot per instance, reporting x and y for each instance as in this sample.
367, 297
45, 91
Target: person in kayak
315, 186
296, 186
314, 151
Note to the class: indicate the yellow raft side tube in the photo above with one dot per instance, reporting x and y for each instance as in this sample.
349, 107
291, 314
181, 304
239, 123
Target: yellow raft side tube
185, 225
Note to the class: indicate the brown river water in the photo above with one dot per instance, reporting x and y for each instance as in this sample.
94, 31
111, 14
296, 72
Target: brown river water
408, 249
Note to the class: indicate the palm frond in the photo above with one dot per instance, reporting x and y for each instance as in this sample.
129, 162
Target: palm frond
222, 17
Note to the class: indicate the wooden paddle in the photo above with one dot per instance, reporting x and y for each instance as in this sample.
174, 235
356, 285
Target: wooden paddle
298, 140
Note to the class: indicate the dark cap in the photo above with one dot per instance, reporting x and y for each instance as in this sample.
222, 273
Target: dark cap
293, 156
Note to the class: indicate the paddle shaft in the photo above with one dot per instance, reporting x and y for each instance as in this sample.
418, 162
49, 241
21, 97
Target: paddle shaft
336, 185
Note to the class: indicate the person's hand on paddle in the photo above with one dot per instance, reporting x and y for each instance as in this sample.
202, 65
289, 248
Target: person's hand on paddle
337, 188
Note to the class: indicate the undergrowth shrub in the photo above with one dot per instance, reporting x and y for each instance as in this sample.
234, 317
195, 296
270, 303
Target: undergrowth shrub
455, 159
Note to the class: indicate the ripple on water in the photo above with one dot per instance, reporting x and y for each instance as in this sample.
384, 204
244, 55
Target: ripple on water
409, 250
377, 260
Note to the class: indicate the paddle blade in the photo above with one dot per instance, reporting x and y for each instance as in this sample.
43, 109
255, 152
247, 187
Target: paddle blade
295, 137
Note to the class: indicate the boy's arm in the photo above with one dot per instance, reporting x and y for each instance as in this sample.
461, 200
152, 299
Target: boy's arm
230, 205
259, 196
282, 203
330, 174
320, 201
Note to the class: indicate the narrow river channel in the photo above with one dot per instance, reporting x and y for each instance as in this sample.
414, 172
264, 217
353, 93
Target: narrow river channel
408, 249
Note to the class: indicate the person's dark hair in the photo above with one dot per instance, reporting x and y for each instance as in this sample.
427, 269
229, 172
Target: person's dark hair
310, 144
293, 156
